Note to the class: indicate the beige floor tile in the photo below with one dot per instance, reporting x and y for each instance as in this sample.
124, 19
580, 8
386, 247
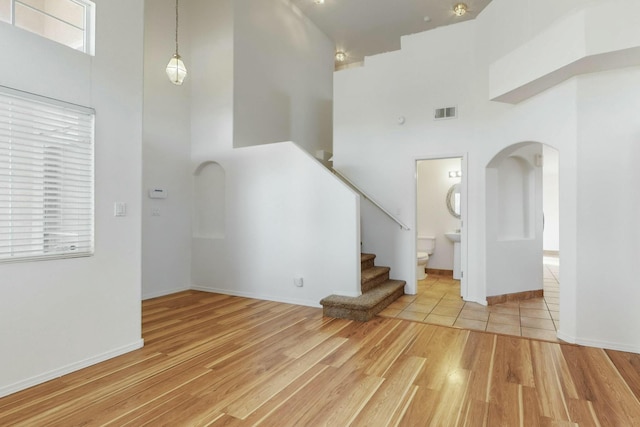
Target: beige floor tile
500, 328
477, 325
438, 300
407, 298
476, 307
540, 334
446, 311
510, 304
505, 319
420, 308
432, 294
427, 301
534, 312
474, 314
532, 322
411, 315
443, 292
500, 309
390, 312
537, 303
456, 303
399, 305
440, 320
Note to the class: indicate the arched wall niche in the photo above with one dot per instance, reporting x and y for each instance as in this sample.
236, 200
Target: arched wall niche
514, 220
209, 200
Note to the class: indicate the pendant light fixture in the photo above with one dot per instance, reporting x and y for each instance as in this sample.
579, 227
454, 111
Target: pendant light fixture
176, 69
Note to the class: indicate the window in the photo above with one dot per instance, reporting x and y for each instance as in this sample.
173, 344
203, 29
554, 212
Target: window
69, 22
46, 178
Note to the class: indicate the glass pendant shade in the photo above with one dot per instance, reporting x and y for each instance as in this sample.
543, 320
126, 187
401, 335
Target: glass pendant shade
176, 70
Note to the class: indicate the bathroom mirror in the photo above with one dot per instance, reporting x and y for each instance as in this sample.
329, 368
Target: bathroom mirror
453, 200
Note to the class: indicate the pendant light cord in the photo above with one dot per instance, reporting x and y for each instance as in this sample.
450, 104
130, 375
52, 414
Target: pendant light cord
176, 27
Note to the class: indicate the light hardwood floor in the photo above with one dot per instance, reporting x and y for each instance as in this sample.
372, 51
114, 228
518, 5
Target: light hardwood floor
219, 360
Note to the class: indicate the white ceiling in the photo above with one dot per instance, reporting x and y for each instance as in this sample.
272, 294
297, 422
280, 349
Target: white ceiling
367, 27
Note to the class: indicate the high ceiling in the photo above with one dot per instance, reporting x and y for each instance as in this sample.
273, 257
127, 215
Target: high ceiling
367, 27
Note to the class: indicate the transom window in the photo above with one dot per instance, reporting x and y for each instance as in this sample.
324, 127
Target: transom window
69, 22
46, 178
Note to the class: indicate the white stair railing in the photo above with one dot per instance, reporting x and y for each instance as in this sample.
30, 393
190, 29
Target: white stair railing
402, 225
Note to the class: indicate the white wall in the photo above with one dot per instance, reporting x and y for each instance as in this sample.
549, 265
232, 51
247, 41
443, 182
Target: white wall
551, 199
286, 216
427, 73
377, 153
608, 209
211, 52
433, 217
166, 157
58, 316
288, 97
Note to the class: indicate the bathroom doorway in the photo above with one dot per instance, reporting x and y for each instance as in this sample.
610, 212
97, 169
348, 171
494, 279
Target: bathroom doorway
439, 226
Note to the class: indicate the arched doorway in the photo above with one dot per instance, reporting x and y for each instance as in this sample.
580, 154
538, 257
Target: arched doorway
518, 190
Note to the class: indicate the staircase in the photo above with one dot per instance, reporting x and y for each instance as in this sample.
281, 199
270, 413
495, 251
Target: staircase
378, 291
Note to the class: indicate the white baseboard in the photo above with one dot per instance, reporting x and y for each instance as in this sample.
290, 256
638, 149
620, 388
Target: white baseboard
598, 344
608, 345
566, 338
56, 373
149, 295
315, 304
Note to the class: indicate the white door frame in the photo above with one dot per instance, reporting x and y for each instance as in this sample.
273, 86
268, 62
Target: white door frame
412, 286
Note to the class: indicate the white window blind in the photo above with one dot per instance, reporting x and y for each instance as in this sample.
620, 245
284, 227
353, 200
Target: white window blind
46, 178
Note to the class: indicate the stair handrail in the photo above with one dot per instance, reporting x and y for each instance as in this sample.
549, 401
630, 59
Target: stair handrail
360, 191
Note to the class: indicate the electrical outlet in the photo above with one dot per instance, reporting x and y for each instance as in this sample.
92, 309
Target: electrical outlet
155, 212
298, 282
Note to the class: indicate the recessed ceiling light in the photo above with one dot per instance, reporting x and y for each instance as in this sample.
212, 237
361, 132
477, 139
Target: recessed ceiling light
318, 1
340, 56
460, 9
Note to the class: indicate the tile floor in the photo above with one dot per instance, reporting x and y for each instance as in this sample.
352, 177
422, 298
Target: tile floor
438, 301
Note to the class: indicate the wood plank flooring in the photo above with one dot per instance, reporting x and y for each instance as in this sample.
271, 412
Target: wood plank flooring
217, 360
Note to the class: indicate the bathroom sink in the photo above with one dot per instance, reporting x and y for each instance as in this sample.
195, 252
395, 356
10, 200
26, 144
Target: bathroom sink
453, 236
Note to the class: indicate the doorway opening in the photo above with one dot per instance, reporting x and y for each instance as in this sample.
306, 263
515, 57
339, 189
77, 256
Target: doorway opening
522, 243
517, 184
440, 235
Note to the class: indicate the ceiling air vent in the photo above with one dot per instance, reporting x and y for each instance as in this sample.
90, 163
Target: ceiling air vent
445, 113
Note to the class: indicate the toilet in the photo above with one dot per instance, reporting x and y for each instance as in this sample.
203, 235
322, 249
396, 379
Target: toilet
425, 246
